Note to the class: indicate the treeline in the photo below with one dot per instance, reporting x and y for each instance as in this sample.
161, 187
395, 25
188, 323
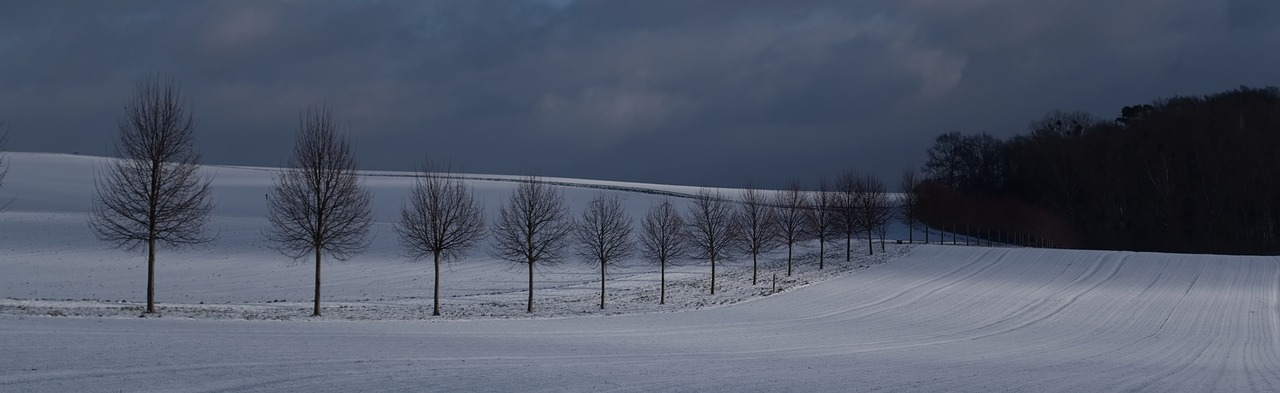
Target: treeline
1183, 174
153, 195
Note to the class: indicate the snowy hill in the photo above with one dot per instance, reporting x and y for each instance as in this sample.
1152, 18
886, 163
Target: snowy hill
939, 318
50, 254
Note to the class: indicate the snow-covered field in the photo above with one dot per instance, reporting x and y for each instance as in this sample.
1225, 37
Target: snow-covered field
54, 265
938, 318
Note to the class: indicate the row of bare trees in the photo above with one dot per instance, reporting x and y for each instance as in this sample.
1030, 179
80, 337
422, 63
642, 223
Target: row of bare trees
534, 226
154, 195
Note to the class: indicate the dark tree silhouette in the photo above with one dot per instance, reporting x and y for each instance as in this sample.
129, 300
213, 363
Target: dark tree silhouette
712, 228
663, 237
872, 205
1192, 174
908, 202
793, 210
824, 218
847, 209
969, 162
442, 220
882, 226
532, 228
604, 234
152, 192
758, 227
318, 203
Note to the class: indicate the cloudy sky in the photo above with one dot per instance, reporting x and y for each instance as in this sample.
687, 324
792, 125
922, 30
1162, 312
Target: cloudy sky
686, 92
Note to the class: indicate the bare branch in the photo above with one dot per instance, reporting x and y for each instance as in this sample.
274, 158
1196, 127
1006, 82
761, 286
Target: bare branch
318, 203
823, 219
441, 220
846, 209
152, 191
712, 228
532, 227
442, 217
758, 227
871, 205
604, 234
909, 202
793, 212
662, 238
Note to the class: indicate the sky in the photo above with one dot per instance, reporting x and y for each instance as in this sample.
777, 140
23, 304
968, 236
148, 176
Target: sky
717, 93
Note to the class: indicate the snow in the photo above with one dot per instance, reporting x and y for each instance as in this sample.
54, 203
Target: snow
54, 264
935, 318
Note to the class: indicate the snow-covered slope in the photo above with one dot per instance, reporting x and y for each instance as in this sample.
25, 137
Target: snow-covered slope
940, 318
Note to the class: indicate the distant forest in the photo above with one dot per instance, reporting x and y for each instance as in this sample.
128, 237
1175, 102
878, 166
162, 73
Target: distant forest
1182, 174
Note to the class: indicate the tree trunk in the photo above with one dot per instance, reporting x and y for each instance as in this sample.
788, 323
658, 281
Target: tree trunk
153, 200
316, 313
754, 267
602, 262
662, 291
530, 309
435, 298
822, 253
911, 232
151, 275
713, 275
926, 234
848, 246
871, 249
788, 259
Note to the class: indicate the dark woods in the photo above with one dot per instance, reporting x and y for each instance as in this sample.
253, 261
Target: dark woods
1185, 174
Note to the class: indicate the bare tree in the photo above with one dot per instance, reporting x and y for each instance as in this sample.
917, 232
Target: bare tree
823, 218
152, 193
604, 234
793, 210
882, 225
442, 220
882, 213
663, 237
758, 227
533, 227
318, 204
712, 229
909, 201
872, 206
846, 209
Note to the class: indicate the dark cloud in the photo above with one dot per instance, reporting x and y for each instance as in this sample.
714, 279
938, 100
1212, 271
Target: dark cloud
691, 92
